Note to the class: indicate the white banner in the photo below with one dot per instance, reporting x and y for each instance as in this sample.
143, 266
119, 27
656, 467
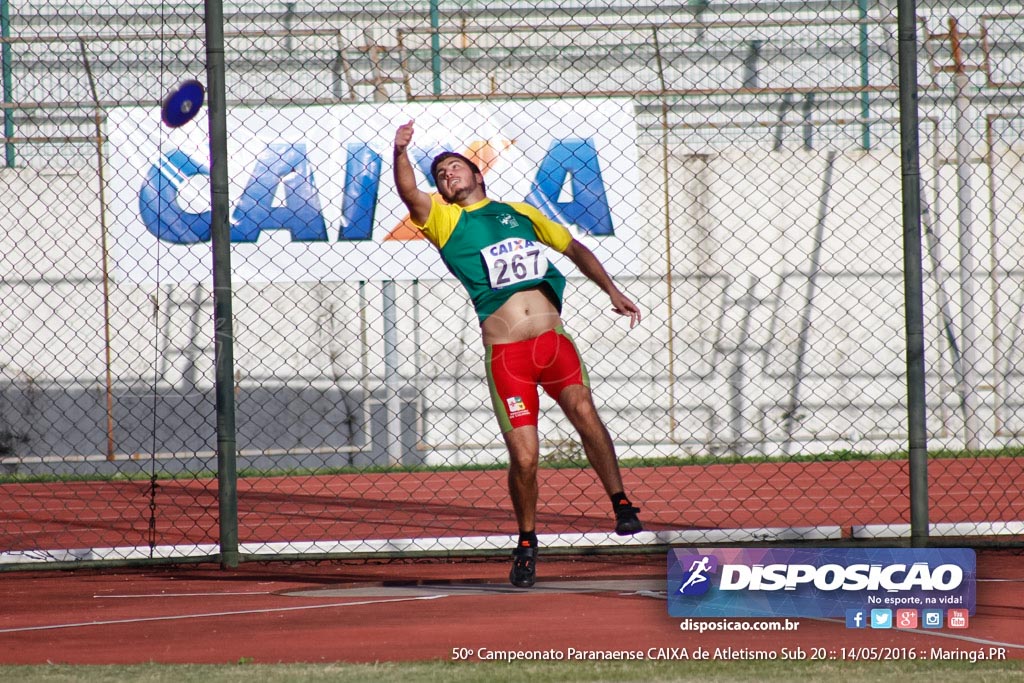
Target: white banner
312, 195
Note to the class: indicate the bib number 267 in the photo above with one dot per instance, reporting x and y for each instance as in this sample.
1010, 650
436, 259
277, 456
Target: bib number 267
514, 261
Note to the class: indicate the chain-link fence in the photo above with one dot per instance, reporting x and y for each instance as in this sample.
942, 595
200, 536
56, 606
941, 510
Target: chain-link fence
736, 167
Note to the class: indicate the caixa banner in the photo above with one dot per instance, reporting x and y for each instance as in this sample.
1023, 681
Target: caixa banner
311, 193
818, 582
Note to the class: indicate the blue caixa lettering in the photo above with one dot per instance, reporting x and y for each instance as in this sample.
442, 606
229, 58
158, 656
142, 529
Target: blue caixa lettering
281, 194
158, 205
280, 167
362, 183
589, 209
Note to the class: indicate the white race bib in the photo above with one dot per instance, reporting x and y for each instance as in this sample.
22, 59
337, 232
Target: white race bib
514, 260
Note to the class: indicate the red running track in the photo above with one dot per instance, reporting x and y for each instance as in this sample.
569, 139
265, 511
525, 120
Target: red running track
301, 612
69, 515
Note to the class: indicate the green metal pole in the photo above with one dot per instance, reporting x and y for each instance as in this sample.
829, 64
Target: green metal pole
865, 99
5, 31
435, 46
227, 476
913, 280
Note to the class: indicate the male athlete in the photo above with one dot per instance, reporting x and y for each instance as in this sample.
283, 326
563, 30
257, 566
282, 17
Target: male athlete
493, 249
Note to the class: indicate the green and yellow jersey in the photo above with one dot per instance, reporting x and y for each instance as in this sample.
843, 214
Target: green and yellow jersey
494, 249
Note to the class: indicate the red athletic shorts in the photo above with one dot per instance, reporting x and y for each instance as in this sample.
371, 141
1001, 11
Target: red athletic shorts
514, 371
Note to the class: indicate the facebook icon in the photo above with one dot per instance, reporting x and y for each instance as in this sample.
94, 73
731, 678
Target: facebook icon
856, 618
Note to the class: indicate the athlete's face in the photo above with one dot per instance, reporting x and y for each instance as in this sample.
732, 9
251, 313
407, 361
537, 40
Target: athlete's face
456, 180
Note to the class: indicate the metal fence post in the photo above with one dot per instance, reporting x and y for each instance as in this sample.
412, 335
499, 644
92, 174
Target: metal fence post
227, 476
5, 31
912, 274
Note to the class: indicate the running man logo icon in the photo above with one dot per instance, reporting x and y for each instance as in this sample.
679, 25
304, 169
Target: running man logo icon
697, 581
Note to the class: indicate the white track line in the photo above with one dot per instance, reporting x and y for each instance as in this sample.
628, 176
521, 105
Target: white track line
679, 537
182, 595
203, 615
940, 529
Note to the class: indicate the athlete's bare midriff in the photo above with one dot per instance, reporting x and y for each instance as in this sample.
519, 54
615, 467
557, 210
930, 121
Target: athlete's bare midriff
525, 315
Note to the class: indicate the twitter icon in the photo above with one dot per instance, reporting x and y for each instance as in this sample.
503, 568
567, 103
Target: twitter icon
881, 618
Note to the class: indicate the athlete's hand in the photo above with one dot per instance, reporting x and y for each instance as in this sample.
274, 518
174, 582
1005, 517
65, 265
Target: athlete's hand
623, 305
403, 136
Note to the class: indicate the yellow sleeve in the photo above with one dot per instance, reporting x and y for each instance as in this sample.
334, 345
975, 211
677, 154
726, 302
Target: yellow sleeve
553, 234
441, 222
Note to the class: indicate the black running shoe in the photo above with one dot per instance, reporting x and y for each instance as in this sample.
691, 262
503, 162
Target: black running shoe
626, 521
524, 566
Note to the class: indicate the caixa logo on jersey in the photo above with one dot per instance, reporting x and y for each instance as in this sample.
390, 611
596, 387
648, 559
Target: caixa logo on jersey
282, 193
817, 582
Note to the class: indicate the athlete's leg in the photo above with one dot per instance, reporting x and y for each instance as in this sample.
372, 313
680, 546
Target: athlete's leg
578, 405
565, 379
523, 456
512, 382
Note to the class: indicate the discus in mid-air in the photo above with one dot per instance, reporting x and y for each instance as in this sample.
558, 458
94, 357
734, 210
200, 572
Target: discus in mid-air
182, 103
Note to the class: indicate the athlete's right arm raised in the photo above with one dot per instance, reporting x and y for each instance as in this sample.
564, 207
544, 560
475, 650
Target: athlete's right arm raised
417, 201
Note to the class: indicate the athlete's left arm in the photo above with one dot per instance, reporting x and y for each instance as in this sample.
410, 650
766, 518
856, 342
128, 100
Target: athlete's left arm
590, 266
558, 237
